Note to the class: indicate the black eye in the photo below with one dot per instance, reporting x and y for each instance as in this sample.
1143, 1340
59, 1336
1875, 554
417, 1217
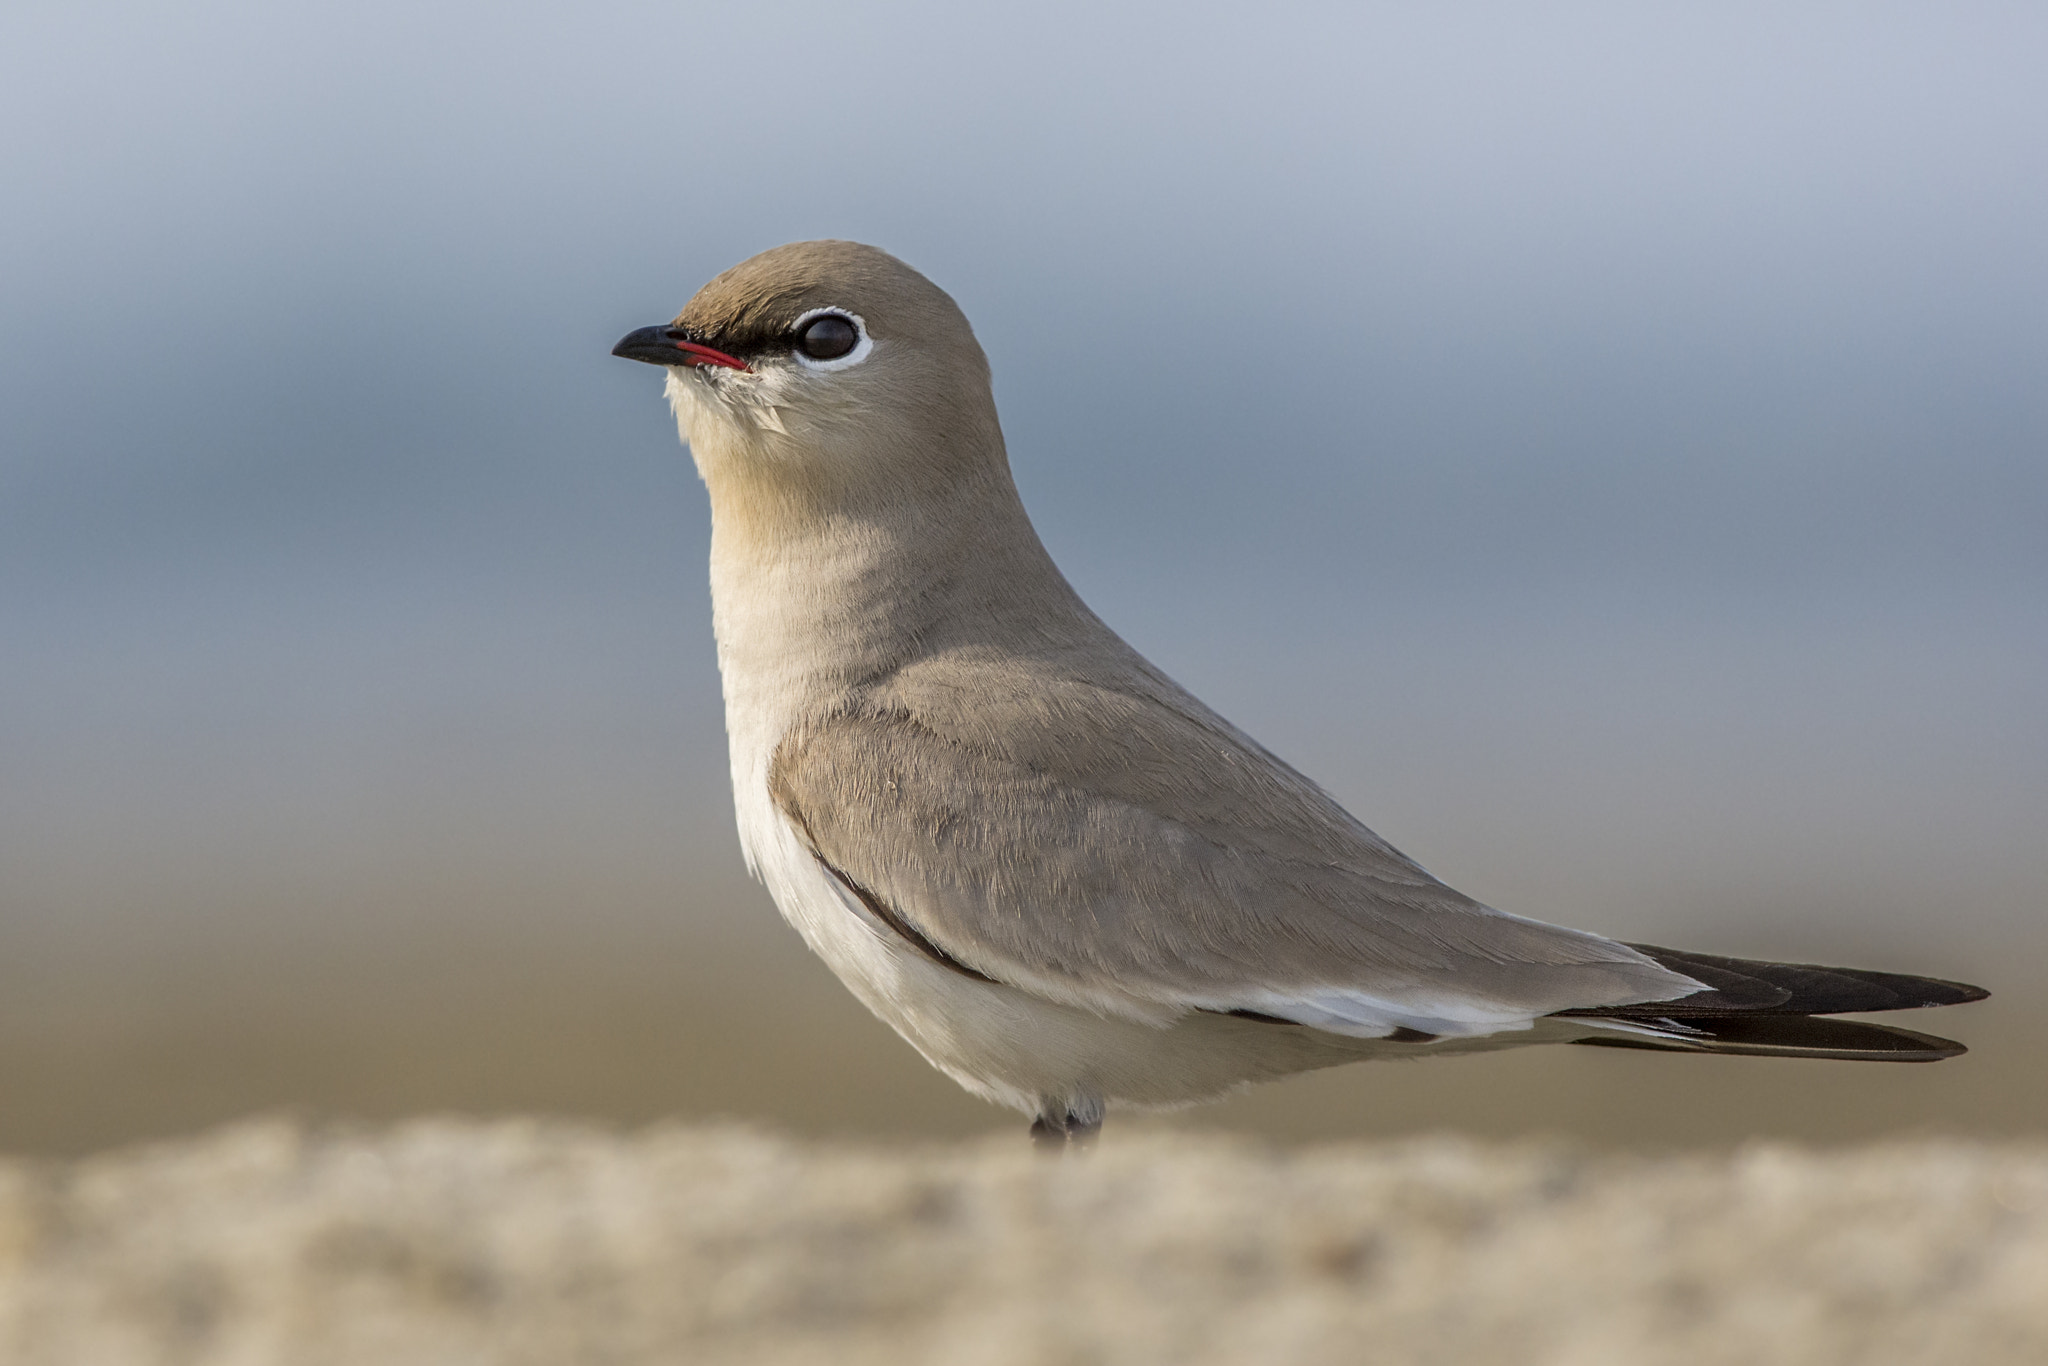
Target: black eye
827, 337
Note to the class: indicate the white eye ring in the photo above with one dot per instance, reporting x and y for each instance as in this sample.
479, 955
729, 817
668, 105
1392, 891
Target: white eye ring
852, 358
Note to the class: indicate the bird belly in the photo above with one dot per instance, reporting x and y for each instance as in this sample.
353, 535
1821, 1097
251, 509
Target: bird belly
1005, 1044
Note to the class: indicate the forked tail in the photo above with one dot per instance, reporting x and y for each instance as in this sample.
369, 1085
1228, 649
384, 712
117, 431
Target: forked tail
1780, 1010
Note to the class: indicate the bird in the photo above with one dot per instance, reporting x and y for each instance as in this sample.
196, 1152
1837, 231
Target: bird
1059, 876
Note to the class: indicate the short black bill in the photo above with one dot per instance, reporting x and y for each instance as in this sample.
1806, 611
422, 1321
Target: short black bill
668, 344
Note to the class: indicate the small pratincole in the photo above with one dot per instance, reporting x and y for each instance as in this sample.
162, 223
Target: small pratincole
1064, 880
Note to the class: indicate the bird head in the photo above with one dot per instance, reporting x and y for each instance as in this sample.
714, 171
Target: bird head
827, 371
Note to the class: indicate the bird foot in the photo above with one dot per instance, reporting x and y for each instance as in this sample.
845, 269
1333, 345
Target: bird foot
1062, 1129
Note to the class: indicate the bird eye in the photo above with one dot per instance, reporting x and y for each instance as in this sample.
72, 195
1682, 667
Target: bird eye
827, 336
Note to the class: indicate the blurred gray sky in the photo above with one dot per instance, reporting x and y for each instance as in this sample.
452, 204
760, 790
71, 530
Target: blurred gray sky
1605, 444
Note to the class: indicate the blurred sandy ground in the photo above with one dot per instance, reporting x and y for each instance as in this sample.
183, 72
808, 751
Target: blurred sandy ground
514, 1243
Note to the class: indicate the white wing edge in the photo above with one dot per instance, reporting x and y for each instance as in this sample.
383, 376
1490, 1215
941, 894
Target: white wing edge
1363, 1016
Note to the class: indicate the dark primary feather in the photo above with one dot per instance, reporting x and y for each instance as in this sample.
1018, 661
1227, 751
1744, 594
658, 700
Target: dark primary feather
1780, 1010
1746, 986
1793, 1036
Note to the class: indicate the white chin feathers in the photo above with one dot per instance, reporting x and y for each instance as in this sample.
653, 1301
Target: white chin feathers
710, 402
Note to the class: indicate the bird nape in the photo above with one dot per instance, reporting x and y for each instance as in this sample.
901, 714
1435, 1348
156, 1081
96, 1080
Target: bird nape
1056, 873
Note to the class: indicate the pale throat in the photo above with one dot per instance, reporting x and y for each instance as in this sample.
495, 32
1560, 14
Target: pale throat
817, 585
805, 606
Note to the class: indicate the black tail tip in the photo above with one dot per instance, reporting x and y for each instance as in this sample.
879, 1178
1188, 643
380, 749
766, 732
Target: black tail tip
1794, 1036
1959, 993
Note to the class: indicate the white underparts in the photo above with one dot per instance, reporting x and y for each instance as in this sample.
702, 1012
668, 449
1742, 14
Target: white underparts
1361, 1016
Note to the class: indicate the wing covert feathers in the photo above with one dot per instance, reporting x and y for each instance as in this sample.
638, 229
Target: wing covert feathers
1124, 850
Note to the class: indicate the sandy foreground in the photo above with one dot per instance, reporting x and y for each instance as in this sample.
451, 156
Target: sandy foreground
537, 1242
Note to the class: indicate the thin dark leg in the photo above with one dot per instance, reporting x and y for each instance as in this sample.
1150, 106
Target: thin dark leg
1056, 1131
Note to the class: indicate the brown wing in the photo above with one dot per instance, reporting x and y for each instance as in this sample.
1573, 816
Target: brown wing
1117, 845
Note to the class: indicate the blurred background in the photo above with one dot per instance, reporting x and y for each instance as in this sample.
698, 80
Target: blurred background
1607, 445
